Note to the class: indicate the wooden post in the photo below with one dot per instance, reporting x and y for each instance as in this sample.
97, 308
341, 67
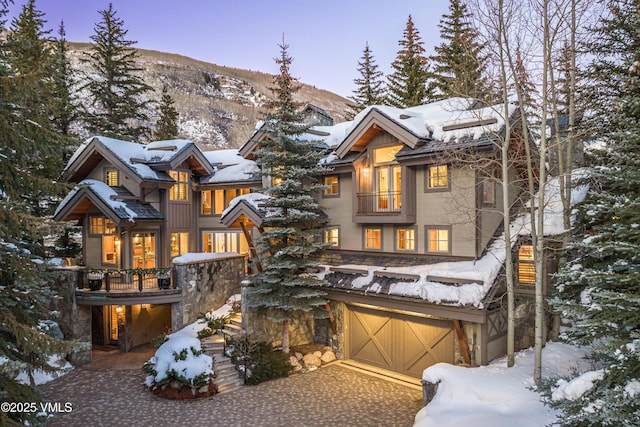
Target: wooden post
252, 247
462, 340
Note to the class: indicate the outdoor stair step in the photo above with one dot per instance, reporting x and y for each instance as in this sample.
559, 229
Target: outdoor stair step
232, 327
226, 388
229, 378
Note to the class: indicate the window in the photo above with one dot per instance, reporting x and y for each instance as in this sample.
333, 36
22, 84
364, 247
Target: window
224, 241
179, 243
438, 177
526, 266
488, 193
438, 240
405, 239
373, 238
388, 179
332, 236
111, 178
214, 202
332, 186
109, 249
179, 190
100, 225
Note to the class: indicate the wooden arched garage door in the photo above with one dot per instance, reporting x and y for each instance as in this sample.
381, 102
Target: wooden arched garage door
398, 342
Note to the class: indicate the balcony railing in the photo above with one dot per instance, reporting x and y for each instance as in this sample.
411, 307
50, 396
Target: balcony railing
379, 203
138, 279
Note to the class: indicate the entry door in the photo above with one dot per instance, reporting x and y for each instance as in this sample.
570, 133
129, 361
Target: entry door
144, 250
388, 186
398, 342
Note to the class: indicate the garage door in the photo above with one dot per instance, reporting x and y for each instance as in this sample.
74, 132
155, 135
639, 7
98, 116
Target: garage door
398, 342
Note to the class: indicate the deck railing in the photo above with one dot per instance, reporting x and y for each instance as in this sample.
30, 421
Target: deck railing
138, 279
379, 202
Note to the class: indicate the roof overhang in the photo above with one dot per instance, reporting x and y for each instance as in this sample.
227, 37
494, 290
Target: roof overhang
77, 206
242, 211
371, 125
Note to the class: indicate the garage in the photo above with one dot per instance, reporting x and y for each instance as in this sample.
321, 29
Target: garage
398, 342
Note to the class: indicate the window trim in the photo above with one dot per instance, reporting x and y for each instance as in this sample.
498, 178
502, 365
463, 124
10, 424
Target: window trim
324, 236
428, 228
427, 186
178, 182
326, 195
396, 229
485, 204
364, 238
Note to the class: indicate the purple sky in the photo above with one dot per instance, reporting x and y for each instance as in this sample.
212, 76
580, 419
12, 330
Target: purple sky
326, 37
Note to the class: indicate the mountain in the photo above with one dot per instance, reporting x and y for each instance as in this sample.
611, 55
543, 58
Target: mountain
218, 106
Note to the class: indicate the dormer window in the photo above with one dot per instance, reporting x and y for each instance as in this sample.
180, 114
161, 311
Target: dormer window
111, 177
179, 190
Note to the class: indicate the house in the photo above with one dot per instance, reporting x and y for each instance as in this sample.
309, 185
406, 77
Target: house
413, 198
414, 205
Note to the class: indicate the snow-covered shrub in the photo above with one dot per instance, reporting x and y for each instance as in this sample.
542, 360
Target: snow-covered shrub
180, 364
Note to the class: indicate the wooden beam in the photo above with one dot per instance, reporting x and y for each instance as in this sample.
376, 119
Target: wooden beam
252, 247
462, 340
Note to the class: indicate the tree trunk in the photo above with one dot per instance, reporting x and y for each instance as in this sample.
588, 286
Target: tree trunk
285, 337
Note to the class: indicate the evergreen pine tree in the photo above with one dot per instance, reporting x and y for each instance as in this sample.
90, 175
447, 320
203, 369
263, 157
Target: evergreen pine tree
285, 285
64, 104
118, 94
25, 295
407, 85
370, 87
167, 124
599, 290
459, 64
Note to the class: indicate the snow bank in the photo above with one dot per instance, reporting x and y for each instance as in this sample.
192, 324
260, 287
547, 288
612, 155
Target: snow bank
496, 395
192, 257
574, 389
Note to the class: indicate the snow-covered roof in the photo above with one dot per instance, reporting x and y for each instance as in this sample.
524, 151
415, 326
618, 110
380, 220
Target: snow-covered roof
229, 166
124, 209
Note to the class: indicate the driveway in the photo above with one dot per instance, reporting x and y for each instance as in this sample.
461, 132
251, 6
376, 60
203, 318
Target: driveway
110, 391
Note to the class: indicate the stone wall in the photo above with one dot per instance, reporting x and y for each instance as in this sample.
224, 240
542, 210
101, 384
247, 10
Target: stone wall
205, 284
74, 320
259, 328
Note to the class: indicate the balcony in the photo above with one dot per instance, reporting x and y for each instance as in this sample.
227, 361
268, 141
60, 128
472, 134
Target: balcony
140, 285
379, 203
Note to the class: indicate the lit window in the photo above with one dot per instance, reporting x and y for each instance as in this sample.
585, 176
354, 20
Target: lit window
205, 202
405, 239
332, 187
526, 266
224, 241
109, 249
373, 238
332, 236
178, 190
179, 243
438, 240
99, 225
111, 178
438, 177
386, 154
488, 192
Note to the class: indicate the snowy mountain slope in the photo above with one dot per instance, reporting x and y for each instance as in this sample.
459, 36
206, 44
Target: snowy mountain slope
219, 106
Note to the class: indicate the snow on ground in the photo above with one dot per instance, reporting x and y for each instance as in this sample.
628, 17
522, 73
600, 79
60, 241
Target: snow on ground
41, 377
495, 395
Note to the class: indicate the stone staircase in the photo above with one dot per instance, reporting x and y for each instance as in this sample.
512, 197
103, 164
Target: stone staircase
227, 377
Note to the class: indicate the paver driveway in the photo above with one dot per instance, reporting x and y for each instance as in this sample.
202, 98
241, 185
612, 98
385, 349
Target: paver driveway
331, 396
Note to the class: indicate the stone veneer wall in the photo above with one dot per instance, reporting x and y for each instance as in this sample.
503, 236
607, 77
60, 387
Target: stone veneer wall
74, 320
205, 284
260, 328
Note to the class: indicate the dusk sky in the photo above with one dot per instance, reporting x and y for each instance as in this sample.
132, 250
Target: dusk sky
326, 38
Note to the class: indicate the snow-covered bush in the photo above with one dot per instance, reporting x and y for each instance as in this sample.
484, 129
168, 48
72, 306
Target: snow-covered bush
180, 364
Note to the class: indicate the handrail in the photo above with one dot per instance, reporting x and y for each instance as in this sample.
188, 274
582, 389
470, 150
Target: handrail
136, 279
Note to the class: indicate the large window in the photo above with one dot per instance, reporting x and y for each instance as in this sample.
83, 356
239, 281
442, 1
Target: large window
373, 238
332, 236
214, 202
437, 178
224, 241
110, 242
388, 179
526, 266
438, 239
332, 186
101, 225
179, 190
405, 239
179, 243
